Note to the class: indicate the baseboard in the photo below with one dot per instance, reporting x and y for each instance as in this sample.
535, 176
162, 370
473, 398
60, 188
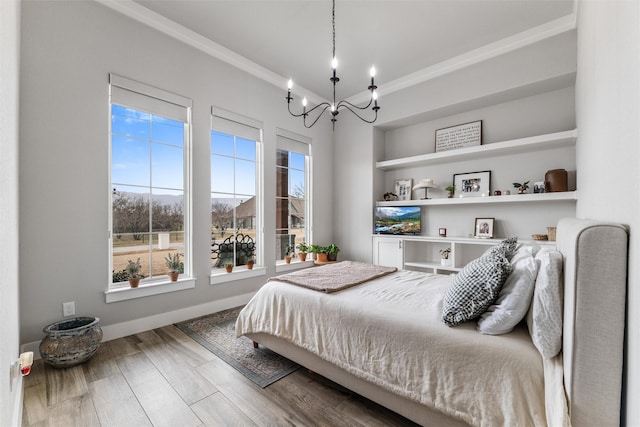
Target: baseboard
119, 330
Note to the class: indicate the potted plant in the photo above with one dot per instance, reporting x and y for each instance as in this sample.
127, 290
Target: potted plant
451, 189
250, 263
314, 249
323, 253
444, 253
303, 248
228, 266
522, 188
172, 261
290, 251
133, 273
332, 252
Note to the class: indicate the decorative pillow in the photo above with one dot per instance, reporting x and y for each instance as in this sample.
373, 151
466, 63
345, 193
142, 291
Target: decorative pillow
507, 247
545, 315
475, 288
514, 299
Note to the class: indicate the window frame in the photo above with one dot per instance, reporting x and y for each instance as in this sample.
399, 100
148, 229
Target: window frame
158, 102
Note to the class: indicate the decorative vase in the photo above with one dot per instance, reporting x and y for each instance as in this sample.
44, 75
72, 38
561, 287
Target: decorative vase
173, 275
555, 180
302, 256
70, 342
134, 282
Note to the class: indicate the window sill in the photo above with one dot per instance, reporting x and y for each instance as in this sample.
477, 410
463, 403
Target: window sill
149, 289
237, 274
282, 266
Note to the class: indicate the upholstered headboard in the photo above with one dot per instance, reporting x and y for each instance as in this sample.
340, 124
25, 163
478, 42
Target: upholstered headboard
595, 280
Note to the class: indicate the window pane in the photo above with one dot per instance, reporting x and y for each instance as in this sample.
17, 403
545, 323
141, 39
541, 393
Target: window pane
167, 166
167, 211
296, 183
282, 158
129, 126
222, 143
130, 159
245, 149
245, 177
282, 182
222, 215
167, 130
222, 174
129, 112
296, 161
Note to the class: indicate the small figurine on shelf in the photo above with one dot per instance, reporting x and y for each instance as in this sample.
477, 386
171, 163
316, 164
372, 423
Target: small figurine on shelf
522, 188
390, 197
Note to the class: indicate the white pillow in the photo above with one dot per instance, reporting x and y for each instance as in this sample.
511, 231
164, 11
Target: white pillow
515, 297
545, 315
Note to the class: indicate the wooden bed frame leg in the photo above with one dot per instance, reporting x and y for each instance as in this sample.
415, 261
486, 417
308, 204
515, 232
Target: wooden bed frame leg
255, 344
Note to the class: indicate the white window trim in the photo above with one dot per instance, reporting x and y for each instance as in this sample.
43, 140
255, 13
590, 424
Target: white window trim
238, 273
157, 285
282, 266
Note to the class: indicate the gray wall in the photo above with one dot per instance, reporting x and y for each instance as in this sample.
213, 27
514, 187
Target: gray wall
10, 389
608, 156
68, 50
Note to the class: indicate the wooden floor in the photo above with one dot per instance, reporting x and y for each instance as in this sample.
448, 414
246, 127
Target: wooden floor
164, 378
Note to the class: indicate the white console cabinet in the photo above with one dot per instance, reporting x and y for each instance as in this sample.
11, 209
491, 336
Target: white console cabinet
422, 253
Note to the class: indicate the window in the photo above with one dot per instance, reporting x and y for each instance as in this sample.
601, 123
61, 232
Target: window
293, 204
236, 203
149, 166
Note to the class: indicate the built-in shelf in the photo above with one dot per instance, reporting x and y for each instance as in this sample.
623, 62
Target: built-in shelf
516, 146
513, 198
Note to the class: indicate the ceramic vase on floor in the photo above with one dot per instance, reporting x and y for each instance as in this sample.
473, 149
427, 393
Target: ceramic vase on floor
70, 342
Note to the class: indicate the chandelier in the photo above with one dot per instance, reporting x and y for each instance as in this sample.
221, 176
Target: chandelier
335, 107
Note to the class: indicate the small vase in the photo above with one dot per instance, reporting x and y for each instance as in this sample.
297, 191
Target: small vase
173, 275
444, 261
70, 342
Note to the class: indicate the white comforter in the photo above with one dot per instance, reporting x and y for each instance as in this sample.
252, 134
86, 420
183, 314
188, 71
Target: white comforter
389, 332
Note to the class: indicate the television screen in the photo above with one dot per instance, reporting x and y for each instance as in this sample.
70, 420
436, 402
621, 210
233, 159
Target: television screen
397, 220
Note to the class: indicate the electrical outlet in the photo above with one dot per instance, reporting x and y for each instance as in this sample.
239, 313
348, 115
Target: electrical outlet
68, 308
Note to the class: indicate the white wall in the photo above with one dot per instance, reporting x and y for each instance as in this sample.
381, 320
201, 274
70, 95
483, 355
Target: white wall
68, 50
608, 156
10, 389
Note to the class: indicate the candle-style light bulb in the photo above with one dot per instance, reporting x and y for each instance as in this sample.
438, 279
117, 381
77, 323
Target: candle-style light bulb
372, 72
334, 63
304, 101
374, 95
290, 84
333, 108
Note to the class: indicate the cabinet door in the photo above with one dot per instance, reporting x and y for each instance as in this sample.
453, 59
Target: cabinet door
388, 252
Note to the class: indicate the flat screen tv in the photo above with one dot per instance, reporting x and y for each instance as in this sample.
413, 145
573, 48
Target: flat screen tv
397, 220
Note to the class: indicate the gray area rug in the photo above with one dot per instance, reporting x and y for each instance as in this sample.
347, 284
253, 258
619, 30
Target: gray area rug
216, 332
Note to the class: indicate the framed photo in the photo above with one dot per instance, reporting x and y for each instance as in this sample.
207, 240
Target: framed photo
472, 184
538, 187
403, 188
484, 228
459, 136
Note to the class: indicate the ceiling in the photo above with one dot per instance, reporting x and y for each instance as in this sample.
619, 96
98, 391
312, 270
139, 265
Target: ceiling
293, 38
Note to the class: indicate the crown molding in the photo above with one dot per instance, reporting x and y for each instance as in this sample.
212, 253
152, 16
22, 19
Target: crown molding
492, 50
158, 22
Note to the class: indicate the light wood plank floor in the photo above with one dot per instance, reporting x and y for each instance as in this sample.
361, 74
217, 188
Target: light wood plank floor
164, 378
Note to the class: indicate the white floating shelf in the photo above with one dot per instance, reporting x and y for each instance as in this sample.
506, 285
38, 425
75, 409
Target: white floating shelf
516, 146
514, 198
431, 265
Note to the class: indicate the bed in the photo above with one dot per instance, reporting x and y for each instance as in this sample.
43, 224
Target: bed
385, 339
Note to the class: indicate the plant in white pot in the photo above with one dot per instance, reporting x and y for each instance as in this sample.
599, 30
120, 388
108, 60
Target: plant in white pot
444, 256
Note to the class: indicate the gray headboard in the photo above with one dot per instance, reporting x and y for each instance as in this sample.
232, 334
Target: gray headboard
595, 280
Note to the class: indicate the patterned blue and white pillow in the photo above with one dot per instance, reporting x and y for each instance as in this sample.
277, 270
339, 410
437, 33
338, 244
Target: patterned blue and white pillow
476, 287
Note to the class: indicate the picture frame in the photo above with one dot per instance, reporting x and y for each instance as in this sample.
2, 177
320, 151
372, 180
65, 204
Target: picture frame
459, 136
403, 188
538, 187
483, 228
472, 184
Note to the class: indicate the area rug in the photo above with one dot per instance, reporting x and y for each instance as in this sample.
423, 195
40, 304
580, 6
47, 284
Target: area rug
216, 332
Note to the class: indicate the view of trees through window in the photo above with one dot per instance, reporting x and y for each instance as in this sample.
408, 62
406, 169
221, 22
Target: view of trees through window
291, 195
233, 200
147, 177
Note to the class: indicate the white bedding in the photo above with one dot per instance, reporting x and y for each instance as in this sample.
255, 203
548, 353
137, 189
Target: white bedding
404, 347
